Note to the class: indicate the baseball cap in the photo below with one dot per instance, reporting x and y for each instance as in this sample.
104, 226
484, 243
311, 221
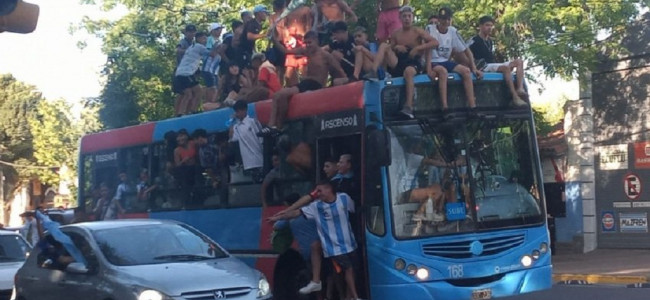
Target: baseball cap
214, 26
259, 8
190, 28
445, 13
339, 26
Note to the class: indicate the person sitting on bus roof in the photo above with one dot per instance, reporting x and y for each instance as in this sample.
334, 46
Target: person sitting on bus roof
320, 66
364, 58
338, 245
450, 41
231, 84
266, 81
244, 130
482, 47
403, 55
342, 48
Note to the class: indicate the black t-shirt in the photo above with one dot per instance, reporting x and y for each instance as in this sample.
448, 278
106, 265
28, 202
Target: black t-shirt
252, 26
347, 48
483, 49
233, 53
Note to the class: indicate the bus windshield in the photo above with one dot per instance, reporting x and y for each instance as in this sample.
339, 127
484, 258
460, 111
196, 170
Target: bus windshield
452, 178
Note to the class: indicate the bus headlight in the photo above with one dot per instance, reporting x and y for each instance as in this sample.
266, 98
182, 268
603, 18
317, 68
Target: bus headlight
422, 274
526, 261
400, 264
411, 269
535, 254
543, 248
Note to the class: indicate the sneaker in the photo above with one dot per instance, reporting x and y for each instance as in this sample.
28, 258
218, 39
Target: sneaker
268, 132
311, 287
522, 93
407, 111
517, 102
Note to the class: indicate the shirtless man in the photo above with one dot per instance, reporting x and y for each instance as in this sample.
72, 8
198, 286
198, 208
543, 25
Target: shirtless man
388, 19
296, 24
403, 54
319, 66
333, 11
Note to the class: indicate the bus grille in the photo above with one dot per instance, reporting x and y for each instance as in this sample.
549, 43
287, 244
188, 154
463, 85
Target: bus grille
228, 293
461, 249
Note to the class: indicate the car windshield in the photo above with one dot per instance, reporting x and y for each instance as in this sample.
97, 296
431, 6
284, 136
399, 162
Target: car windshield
154, 244
448, 178
12, 248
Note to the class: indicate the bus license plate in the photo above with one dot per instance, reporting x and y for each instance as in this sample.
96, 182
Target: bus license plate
482, 294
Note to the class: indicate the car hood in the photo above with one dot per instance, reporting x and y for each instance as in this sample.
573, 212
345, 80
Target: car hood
7, 272
176, 278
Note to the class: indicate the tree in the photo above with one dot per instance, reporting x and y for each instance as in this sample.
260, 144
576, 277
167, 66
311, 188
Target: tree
141, 53
17, 105
56, 133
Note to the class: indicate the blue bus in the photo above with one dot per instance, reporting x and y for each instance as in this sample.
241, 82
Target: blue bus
450, 206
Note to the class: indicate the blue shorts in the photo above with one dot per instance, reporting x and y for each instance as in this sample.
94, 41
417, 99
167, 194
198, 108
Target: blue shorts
209, 80
449, 65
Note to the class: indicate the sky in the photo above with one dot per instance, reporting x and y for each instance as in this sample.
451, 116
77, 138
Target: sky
49, 57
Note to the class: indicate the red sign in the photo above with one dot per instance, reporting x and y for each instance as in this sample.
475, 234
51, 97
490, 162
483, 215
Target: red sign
642, 155
632, 186
608, 221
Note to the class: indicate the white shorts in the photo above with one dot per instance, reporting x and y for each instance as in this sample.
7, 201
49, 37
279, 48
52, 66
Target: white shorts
491, 68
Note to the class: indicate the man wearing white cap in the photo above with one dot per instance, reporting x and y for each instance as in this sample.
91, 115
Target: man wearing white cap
253, 30
215, 35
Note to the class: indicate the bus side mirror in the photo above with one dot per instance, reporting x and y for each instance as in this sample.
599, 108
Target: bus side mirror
378, 147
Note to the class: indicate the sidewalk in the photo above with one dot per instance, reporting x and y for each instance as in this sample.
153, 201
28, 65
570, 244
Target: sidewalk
603, 266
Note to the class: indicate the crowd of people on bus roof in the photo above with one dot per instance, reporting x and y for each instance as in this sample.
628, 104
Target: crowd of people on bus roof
312, 47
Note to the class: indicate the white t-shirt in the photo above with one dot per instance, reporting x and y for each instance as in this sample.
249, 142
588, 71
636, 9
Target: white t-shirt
447, 42
191, 60
250, 145
333, 224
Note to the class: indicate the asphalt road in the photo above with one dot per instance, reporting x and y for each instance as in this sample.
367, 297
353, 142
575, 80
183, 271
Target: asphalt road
591, 292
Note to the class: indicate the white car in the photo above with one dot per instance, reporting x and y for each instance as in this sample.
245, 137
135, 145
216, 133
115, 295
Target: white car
137, 260
13, 253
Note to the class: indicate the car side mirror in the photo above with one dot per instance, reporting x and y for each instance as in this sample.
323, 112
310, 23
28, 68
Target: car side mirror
77, 268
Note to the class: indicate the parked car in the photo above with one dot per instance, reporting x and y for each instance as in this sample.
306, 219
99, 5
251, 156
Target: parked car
13, 253
138, 260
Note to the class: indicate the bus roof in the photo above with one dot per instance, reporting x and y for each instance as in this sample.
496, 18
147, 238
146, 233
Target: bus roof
327, 100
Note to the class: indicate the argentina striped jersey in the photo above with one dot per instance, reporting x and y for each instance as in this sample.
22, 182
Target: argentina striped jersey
333, 224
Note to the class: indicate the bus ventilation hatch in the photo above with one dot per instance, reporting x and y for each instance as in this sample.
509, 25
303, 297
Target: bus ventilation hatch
463, 249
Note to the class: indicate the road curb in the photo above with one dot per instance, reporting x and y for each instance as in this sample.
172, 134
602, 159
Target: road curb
598, 279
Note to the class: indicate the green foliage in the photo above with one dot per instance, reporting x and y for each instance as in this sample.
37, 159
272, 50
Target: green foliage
56, 138
548, 114
17, 104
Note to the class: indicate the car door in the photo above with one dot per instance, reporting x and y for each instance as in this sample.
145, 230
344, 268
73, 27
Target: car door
38, 280
83, 285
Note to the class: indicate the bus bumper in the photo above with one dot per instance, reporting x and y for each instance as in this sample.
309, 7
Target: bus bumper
513, 283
